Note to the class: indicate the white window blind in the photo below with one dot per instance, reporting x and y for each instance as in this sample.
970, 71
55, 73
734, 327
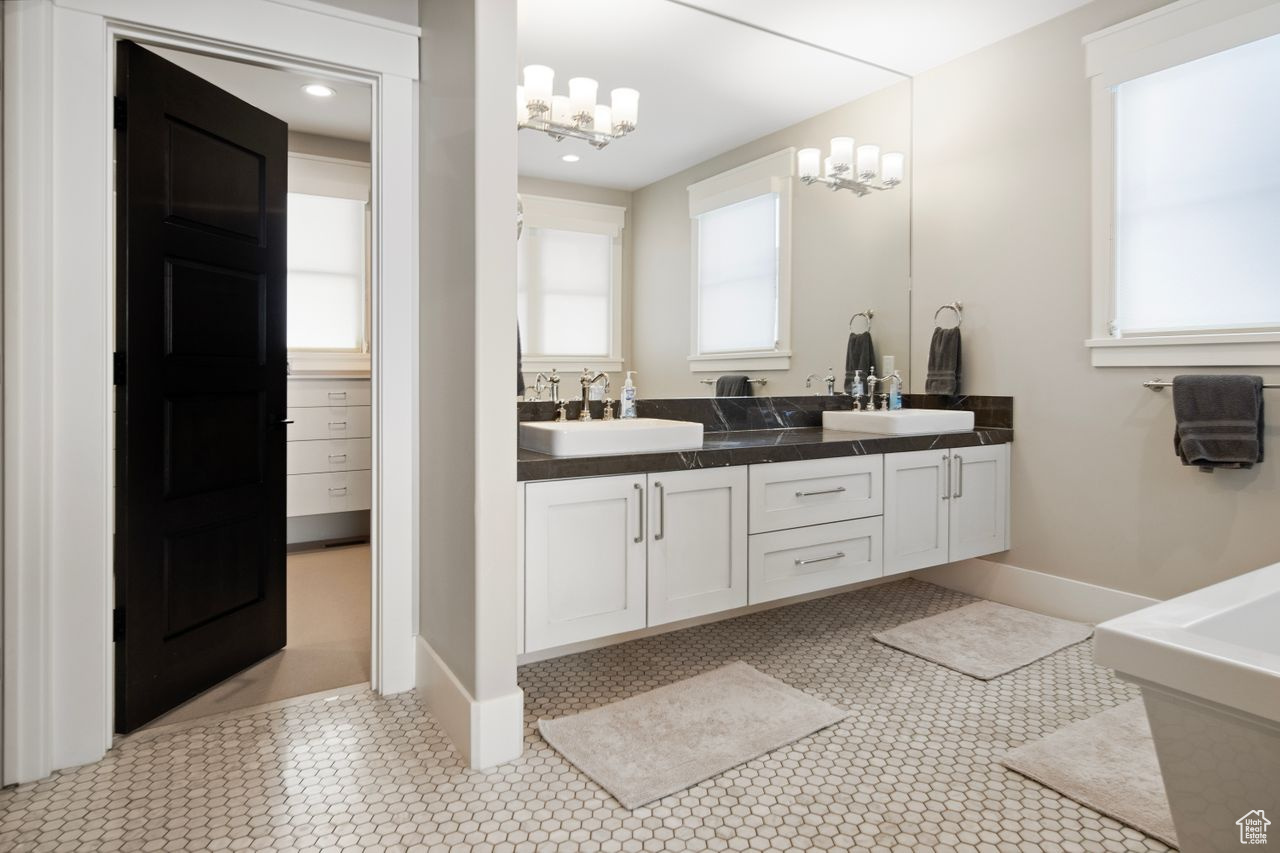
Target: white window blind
737, 283
326, 273
1197, 173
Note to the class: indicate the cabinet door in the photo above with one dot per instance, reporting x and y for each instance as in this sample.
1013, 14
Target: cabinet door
979, 501
584, 559
697, 543
915, 510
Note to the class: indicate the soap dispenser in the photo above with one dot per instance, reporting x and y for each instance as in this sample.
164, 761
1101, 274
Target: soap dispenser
629, 396
895, 391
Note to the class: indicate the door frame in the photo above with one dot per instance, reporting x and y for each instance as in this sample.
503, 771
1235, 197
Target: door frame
59, 293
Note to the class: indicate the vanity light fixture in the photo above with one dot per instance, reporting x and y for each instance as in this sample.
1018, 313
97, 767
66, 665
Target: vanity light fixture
319, 90
577, 114
859, 169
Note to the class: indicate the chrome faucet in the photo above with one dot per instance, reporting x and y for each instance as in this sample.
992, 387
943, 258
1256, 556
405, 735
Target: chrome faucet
552, 382
830, 379
587, 380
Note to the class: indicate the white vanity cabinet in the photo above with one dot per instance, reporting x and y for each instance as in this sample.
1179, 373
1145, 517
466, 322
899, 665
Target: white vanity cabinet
584, 559
945, 505
329, 448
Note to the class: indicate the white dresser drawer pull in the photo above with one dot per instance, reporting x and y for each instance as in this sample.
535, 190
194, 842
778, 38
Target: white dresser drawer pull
337, 457
338, 490
337, 424
837, 490
837, 556
337, 395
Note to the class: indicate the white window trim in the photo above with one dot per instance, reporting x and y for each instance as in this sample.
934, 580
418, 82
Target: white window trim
1171, 35
770, 174
592, 218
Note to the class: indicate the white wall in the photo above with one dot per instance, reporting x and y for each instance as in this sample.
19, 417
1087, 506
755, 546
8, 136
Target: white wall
401, 11
1001, 222
848, 254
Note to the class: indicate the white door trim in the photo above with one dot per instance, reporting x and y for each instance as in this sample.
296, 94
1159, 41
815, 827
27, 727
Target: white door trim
59, 289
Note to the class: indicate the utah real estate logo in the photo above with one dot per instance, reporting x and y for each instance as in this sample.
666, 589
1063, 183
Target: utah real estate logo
1253, 827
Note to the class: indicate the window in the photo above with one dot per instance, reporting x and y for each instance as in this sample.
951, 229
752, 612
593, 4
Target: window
741, 267
1187, 193
569, 284
326, 273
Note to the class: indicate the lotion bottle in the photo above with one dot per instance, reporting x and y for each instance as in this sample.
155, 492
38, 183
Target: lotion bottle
629, 396
895, 392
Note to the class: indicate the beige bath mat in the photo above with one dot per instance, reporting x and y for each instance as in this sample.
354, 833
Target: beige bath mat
1108, 763
642, 748
985, 639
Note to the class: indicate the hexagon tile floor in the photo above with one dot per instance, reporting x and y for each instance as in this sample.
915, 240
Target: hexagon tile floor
914, 768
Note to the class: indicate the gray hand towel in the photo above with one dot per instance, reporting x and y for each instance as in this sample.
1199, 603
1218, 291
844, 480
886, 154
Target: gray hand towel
519, 365
859, 354
1219, 420
733, 385
944, 363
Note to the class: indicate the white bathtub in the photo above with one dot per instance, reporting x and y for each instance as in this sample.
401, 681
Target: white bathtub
1209, 666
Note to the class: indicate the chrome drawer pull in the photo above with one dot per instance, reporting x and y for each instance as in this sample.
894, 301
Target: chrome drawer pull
837, 490
836, 556
337, 424
339, 457
337, 491
337, 395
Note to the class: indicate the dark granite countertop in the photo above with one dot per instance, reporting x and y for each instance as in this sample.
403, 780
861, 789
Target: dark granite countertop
749, 447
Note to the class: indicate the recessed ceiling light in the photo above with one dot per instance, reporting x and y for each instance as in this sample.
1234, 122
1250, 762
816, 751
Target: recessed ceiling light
571, 158
318, 90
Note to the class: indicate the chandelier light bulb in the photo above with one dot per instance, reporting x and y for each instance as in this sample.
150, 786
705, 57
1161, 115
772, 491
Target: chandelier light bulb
561, 112
582, 99
893, 168
603, 119
808, 160
626, 108
538, 80
868, 162
842, 154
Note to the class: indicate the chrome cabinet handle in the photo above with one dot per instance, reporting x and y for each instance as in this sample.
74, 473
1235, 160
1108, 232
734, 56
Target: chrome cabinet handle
662, 512
946, 486
836, 556
337, 395
337, 457
640, 503
337, 490
337, 424
837, 490
959, 467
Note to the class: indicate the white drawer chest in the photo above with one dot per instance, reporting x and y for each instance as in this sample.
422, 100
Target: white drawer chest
329, 449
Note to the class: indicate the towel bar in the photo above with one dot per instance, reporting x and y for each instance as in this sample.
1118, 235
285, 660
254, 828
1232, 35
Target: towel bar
752, 381
1159, 385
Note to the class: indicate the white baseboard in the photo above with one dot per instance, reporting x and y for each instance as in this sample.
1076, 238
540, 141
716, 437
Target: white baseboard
1036, 591
486, 733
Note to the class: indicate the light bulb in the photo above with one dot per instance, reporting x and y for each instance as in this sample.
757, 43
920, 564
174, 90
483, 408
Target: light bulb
842, 153
538, 80
582, 99
808, 159
868, 162
893, 168
561, 113
318, 90
604, 119
626, 108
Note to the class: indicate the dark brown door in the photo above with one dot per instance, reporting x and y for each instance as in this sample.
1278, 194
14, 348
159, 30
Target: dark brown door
200, 505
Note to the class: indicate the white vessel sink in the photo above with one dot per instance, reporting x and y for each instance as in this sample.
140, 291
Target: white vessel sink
591, 438
899, 421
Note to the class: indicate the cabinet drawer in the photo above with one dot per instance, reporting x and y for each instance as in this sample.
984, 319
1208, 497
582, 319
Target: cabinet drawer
312, 494
794, 562
815, 491
339, 454
307, 393
330, 422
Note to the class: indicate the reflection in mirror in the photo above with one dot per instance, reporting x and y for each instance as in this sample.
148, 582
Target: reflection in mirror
718, 208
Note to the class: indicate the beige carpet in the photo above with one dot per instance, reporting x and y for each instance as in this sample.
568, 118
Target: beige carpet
328, 638
985, 639
662, 741
1108, 763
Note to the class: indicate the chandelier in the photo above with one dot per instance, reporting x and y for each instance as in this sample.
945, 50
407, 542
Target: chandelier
842, 171
577, 114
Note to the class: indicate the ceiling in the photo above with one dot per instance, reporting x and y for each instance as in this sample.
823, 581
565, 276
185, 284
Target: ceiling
347, 115
708, 84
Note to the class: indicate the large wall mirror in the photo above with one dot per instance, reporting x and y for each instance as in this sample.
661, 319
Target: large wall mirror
683, 227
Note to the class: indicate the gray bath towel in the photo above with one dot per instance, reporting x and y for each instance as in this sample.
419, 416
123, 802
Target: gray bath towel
859, 354
733, 385
944, 363
519, 364
1219, 420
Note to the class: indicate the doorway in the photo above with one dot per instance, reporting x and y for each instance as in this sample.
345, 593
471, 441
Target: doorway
290, 593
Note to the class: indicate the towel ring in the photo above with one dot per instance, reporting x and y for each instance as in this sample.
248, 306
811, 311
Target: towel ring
953, 306
866, 315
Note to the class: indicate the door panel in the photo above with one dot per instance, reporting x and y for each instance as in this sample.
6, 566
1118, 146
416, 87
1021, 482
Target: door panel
585, 559
979, 501
200, 510
697, 550
915, 510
